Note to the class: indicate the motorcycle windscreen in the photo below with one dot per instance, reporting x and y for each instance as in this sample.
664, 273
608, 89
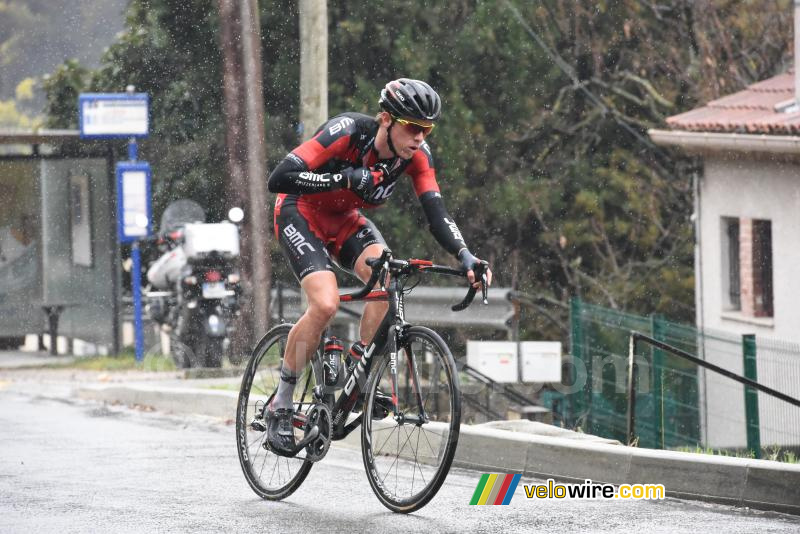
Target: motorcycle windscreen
180, 213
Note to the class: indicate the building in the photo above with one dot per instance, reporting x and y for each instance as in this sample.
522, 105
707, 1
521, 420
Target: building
747, 220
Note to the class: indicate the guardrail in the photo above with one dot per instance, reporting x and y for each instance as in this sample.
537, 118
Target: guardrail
633, 376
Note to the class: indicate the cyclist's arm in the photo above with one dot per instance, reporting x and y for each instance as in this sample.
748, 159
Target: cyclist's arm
441, 224
295, 174
292, 176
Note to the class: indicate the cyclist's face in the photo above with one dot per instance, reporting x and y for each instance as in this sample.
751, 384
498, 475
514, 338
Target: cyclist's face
407, 137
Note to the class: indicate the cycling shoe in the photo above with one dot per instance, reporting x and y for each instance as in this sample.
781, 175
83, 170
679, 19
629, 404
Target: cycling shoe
280, 432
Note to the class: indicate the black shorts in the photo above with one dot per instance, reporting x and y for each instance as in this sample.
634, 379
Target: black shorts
310, 237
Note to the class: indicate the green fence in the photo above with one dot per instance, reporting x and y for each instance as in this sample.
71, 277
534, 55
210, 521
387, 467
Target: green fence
677, 404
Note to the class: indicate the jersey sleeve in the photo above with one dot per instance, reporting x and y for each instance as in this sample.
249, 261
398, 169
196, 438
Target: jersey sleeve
421, 171
441, 225
295, 174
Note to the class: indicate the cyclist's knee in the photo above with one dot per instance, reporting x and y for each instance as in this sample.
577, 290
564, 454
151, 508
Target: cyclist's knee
323, 308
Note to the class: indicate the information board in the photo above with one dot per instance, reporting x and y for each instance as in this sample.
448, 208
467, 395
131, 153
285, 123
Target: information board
133, 206
109, 115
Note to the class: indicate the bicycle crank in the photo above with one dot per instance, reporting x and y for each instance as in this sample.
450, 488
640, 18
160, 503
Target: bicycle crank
321, 428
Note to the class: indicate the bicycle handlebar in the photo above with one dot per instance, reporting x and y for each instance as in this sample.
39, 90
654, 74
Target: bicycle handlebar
385, 261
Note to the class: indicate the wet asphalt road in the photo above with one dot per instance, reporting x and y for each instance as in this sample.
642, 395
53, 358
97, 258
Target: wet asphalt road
70, 466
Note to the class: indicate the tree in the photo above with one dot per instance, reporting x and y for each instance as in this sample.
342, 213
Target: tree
542, 153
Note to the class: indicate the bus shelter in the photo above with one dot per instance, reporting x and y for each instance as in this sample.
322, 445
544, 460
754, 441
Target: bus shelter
58, 244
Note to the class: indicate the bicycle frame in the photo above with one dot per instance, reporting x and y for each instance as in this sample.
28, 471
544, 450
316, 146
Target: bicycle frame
388, 336
385, 338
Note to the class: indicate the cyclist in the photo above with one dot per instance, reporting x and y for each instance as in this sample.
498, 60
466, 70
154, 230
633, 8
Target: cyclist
353, 161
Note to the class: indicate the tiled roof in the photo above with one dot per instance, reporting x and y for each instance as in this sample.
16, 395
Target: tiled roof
748, 111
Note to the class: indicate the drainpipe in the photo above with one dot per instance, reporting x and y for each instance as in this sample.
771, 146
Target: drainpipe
797, 53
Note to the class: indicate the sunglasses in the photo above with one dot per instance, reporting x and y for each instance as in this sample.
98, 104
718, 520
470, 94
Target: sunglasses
415, 127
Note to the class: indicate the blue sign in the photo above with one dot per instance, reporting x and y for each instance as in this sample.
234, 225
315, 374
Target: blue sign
113, 115
133, 201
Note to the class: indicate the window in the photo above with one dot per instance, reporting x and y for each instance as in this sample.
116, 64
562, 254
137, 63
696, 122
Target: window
80, 220
762, 268
730, 264
747, 266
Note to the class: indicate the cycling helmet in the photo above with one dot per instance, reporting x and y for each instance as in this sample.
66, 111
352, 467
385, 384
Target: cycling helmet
413, 99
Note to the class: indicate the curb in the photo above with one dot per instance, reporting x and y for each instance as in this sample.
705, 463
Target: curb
761, 484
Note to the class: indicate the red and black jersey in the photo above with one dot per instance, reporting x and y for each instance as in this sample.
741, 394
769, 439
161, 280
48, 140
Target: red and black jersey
309, 173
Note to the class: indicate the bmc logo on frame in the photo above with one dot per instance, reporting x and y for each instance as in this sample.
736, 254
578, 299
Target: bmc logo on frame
495, 489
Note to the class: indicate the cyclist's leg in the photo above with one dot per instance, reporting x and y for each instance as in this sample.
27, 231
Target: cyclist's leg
323, 301
362, 241
373, 311
311, 265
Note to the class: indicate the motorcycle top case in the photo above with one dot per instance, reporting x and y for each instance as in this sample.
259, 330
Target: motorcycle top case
199, 240
167, 269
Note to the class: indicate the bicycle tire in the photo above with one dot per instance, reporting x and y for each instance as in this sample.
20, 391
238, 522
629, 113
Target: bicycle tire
254, 460
376, 433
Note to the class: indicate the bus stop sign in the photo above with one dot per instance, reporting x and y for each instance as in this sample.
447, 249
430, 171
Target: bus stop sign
110, 115
133, 201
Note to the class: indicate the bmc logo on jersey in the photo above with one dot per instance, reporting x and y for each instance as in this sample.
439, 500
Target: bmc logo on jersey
453, 229
341, 125
296, 239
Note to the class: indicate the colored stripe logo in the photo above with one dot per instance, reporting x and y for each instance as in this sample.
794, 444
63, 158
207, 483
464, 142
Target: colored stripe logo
495, 489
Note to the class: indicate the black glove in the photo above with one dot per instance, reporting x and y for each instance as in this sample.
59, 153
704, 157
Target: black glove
363, 181
468, 261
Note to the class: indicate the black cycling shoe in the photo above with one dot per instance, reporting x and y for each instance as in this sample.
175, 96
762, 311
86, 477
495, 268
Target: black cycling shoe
280, 432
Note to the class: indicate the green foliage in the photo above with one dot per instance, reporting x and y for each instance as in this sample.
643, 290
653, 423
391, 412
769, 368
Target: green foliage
542, 154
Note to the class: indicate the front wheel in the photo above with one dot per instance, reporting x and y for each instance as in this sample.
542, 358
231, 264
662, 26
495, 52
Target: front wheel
407, 454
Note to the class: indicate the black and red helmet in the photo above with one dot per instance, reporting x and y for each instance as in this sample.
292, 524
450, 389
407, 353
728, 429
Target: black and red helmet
413, 99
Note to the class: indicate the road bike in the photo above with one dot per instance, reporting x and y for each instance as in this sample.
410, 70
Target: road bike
406, 381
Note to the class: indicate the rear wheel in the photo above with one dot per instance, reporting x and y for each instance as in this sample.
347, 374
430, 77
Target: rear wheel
407, 454
271, 476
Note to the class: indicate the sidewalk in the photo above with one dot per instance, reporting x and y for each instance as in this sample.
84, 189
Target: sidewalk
532, 449
16, 359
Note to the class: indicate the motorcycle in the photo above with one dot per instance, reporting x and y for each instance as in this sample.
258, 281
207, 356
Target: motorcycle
196, 281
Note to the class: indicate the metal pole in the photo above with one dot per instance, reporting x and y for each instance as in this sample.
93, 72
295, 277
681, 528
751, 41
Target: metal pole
751, 395
313, 65
136, 282
631, 389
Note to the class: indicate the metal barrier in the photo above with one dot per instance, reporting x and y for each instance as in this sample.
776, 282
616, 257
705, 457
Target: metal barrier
680, 404
751, 401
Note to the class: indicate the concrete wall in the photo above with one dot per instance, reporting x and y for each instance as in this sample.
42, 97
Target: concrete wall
757, 189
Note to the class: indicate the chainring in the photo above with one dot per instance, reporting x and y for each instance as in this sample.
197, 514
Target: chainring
319, 415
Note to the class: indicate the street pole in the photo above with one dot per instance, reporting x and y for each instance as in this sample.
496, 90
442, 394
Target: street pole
313, 65
313, 73
256, 165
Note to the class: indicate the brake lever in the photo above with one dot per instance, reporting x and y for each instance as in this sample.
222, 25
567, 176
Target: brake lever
485, 288
464, 304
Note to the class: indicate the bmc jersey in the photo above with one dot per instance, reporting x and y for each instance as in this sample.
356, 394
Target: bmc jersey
348, 140
314, 216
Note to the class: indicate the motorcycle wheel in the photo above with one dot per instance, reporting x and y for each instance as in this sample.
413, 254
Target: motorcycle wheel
179, 351
213, 351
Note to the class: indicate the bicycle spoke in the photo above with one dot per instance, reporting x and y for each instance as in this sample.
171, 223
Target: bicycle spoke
387, 441
422, 431
400, 449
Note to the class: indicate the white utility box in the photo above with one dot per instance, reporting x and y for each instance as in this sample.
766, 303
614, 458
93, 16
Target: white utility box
201, 239
541, 360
